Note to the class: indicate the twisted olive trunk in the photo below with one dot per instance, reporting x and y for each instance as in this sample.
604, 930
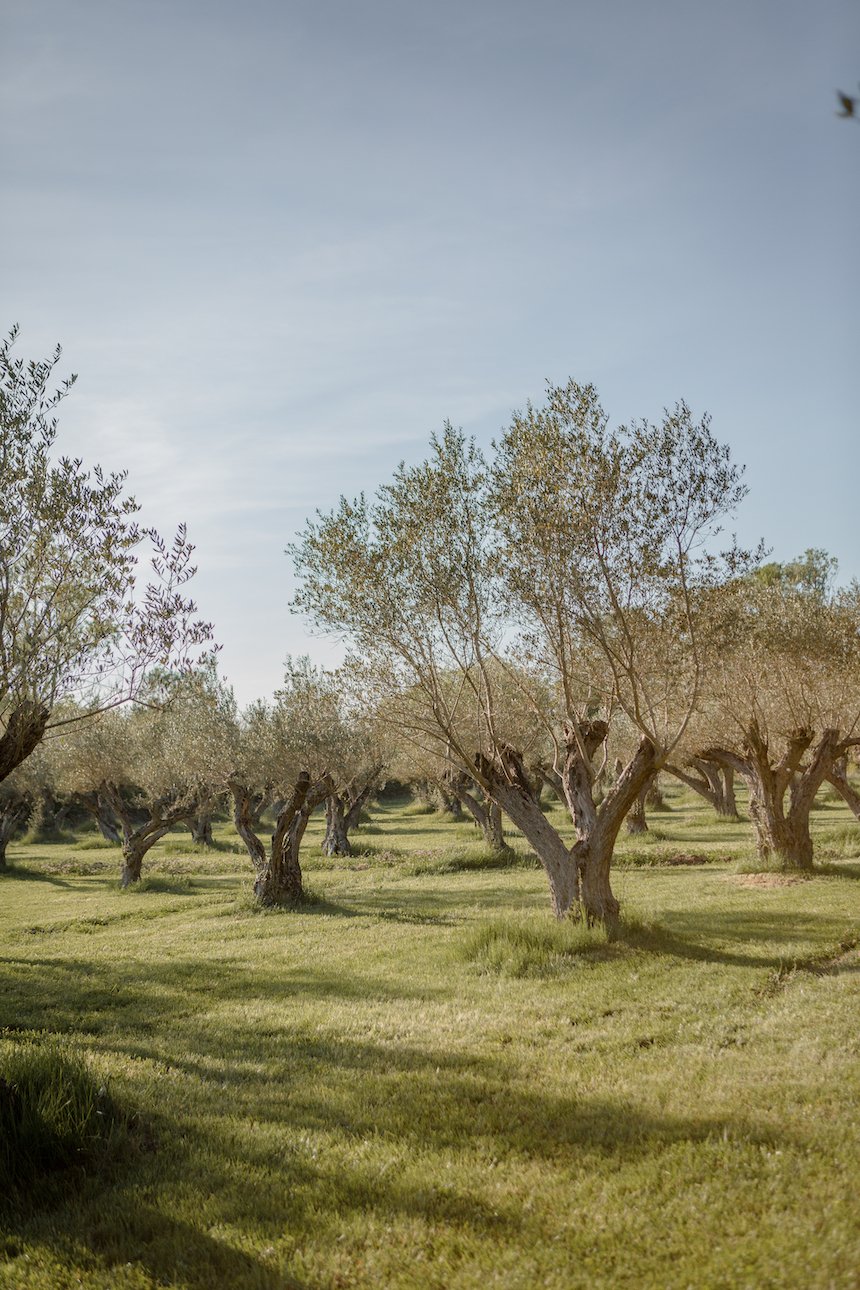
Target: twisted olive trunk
581, 873
487, 814
278, 878
25, 728
714, 781
137, 837
782, 791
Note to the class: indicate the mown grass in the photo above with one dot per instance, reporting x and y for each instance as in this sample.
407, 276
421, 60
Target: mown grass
419, 1079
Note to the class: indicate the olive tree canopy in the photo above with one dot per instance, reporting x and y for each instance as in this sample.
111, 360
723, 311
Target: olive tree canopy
74, 618
579, 556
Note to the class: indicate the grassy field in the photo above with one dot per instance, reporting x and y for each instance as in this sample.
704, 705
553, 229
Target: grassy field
421, 1080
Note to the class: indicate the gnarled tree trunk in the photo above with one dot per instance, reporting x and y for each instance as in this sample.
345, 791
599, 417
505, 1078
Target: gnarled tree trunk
486, 813
97, 807
636, 821
278, 872
137, 837
342, 814
336, 840
782, 826
200, 827
25, 727
580, 873
713, 781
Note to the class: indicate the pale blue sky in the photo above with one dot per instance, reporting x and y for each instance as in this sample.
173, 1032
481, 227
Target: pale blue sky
281, 243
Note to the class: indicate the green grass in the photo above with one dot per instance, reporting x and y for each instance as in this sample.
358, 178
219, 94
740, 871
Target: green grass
55, 1116
420, 1079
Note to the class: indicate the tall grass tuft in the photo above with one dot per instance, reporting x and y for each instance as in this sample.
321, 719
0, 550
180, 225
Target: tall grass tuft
54, 1113
528, 948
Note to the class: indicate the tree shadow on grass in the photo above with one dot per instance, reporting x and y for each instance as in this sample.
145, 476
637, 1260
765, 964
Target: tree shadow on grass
752, 928
333, 1130
25, 873
125, 1233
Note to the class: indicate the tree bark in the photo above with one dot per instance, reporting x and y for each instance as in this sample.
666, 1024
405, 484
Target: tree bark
199, 825
782, 829
278, 872
137, 838
25, 727
486, 814
342, 813
838, 777
14, 814
512, 792
712, 781
95, 806
580, 874
336, 841
636, 821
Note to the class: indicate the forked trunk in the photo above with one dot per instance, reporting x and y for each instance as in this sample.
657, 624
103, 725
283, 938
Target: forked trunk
713, 781
104, 818
579, 874
138, 837
200, 827
598, 826
278, 872
513, 793
782, 826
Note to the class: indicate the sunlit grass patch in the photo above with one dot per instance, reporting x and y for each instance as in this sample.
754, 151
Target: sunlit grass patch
467, 859
537, 946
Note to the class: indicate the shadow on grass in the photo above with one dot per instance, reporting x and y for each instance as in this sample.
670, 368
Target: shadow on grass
732, 926
25, 873
125, 1234
280, 1144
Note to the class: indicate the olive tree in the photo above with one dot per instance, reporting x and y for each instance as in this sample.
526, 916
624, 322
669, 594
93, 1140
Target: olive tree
149, 765
277, 756
74, 617
576, 555
784, 704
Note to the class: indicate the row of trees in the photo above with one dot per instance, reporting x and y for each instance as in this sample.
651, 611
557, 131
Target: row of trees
570, 596
523, 620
